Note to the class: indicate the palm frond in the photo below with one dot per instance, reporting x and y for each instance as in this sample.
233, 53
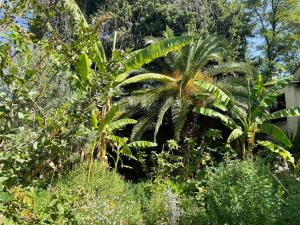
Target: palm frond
144, 124
216, 92
146, 98
168, 33
163, 109
232, 67
200, 53
179, 113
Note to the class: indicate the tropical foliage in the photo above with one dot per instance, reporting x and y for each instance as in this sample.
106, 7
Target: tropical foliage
246, 119
159, 127
172, 88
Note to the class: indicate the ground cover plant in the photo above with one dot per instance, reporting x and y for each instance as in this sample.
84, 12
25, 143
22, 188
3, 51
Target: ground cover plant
147, 112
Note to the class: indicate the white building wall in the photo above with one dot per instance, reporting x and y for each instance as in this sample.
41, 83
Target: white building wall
292, 99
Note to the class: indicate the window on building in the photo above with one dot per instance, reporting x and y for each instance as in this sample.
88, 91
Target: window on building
279, 105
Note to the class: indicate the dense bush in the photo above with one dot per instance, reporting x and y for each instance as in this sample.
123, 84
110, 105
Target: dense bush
70, 94
291, 207
242, 192
107, 199
35, 206
104, 199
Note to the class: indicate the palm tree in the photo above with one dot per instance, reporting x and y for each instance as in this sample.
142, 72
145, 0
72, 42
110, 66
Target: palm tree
172, 88
111, 78
248, 118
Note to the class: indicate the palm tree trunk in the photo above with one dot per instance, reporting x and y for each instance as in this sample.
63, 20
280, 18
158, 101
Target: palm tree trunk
187, 132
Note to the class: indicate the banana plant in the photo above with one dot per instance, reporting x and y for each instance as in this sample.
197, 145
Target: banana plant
109, 73
123, 148
247, 119
106, 136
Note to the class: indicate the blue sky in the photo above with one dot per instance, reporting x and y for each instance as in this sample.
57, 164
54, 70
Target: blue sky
252, 46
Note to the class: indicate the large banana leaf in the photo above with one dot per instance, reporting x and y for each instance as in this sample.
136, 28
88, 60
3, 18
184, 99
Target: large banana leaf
214, 90
147, 77
219, 105
83, 67
121, 77
154, 51
277, 149
236, 133
270, 97
94, 119
290, 112
212, 113
99, 56
118, 124
259, 87
142, 144
108, 118
75, 10
276, 133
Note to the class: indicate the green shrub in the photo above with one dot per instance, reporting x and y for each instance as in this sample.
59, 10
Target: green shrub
291, 207
104, 199
34, 206
162, 204
153, 199
242, 192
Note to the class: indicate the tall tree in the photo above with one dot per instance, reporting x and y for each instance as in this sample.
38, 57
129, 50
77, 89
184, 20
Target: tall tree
171, 88
278, 25
134, 20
